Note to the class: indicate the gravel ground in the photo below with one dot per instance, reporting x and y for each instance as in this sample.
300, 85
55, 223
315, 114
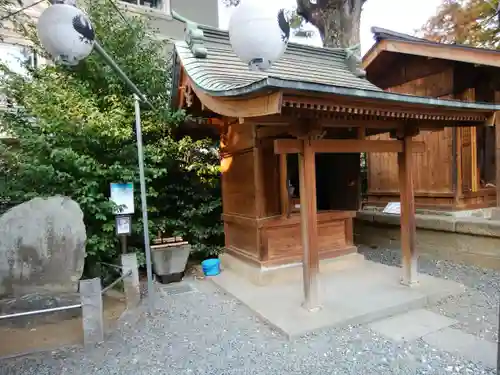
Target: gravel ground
476, 309
208, 332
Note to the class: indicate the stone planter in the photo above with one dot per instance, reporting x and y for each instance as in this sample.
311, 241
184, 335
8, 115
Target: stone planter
169, 260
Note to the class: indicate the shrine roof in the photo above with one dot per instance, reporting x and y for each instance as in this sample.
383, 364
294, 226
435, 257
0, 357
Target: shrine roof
222, 73
302, 68
398, 43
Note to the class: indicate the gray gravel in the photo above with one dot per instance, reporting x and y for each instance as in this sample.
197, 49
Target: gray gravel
208, 332
476, 309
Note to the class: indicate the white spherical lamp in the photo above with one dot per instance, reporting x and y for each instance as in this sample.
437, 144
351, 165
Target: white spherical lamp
259, 34
66, 33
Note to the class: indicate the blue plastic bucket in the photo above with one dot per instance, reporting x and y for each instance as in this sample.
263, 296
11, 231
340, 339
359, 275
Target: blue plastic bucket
211, 267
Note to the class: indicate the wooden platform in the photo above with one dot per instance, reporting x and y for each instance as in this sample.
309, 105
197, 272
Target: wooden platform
277, 240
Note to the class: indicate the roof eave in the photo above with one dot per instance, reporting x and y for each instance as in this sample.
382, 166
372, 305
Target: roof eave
271, 84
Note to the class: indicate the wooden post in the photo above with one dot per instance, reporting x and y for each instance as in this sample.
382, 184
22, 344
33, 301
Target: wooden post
408, 228
460, 184
284, 196
309, 226
497, 161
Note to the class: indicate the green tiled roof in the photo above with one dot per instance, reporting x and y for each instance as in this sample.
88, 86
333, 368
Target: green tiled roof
302, 68
222, 70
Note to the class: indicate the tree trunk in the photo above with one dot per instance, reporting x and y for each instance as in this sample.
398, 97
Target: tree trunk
338, 21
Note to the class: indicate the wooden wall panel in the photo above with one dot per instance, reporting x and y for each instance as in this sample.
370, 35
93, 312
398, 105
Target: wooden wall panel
238, 187
280, 237
270, 170
242, 239
431, 169
434, 85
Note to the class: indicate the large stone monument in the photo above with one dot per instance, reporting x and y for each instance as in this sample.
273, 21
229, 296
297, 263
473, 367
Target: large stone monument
42, 247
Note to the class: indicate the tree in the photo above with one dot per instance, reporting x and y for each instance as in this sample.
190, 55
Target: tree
469, 22
338, 21
75, 135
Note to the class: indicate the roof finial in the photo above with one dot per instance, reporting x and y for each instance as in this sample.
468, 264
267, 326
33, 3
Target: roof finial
193, 35
354, 62
194, 39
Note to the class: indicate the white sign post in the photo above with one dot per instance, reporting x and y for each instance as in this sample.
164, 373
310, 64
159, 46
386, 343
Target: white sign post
122, 195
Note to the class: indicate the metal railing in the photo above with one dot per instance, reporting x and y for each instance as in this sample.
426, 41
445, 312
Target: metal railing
37, 312
129, 273
62, 308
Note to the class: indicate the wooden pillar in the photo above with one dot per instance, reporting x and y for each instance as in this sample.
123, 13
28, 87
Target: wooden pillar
309, 227
408, 228
457, 132
284, 195
497, 161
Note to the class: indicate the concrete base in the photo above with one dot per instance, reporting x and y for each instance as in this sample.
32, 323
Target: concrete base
259, 275
362, 293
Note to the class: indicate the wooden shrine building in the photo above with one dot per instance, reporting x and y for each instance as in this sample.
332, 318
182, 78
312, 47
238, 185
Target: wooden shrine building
457, 169
291, 140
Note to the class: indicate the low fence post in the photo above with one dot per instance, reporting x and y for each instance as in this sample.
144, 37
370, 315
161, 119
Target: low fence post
92, 311
131, 285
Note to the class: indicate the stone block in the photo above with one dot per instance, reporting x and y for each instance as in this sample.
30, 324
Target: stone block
131, 285
495, 213
388, 219
364, 215
433, 222
478, 227
411, 325
42, 247
477, 250
464, 344
92, 311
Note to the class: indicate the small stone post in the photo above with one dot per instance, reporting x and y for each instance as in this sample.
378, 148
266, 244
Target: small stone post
131, 282
92, 311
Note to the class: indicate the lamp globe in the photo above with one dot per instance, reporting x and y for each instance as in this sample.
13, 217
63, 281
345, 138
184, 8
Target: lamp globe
66, 33
259, 33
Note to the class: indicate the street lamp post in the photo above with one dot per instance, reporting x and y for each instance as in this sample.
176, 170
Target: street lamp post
67, 35
258, 34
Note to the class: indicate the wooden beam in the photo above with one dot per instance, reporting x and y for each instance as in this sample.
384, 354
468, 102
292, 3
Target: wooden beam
293, 146
288, 146
309, 226
445, 52
326, 120
373, 53
407, 219
493, 119
269, 104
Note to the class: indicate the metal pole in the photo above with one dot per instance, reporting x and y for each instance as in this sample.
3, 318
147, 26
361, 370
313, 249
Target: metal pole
123, 240
147, 248
45, 311
120, 73
138, 96
116, 281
